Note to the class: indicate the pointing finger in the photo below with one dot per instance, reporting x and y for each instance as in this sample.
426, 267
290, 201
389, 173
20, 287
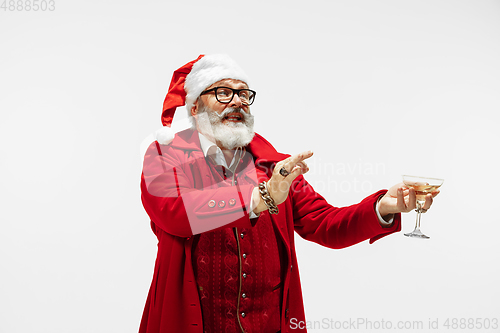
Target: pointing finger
299, 157
290, 163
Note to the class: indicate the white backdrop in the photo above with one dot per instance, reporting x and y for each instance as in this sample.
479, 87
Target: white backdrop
376, 88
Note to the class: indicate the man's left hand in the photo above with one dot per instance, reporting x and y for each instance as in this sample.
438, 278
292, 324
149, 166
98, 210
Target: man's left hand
401, 199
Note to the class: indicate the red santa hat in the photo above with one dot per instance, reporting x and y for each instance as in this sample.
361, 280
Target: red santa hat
189, 81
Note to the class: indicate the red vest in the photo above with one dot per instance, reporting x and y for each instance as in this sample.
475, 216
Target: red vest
238, 273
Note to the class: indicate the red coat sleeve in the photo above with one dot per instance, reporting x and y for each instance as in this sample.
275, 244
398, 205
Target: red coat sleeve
318, 221
177, 203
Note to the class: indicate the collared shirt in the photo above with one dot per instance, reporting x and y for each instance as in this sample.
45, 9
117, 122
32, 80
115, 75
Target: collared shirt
209, 148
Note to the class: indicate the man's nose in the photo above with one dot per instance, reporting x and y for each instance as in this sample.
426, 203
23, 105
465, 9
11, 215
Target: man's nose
236, 101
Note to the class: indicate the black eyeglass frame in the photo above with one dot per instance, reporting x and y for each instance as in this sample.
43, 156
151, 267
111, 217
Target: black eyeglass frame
235, 91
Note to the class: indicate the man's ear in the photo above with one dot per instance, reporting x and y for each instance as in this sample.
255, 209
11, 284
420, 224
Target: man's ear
194, 109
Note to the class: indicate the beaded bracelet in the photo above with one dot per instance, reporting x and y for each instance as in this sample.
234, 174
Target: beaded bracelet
264, 194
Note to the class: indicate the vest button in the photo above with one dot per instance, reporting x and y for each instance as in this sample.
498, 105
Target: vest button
244, 255
244, 275
244, 295
242, 235
243, 314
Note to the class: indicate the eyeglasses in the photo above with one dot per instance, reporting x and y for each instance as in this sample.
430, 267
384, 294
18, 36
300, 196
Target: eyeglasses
225, 95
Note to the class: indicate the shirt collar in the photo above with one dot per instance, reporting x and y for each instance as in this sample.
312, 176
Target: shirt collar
206, 144
209, 148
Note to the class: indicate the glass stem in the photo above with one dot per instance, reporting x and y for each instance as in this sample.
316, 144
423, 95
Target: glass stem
417, 223
419, 212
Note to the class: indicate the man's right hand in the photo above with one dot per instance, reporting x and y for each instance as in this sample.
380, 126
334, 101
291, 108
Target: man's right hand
279, 186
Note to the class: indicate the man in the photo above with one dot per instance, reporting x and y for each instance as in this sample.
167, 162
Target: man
225, 204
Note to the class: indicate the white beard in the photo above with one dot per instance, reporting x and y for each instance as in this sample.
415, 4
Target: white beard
229, 134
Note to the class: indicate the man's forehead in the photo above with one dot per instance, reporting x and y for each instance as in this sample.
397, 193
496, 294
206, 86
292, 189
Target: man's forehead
231, 83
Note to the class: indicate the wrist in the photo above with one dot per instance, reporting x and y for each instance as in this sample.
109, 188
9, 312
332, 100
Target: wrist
257, 201
266, 201
382, 211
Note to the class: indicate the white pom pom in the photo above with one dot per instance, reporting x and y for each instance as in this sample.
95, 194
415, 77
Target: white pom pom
164, 135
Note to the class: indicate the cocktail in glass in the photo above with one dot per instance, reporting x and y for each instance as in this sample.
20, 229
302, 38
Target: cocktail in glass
422, 187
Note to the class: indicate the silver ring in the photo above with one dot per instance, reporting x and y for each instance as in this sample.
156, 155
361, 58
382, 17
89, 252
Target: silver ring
283, 172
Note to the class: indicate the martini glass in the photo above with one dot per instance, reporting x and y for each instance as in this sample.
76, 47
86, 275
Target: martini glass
422, 187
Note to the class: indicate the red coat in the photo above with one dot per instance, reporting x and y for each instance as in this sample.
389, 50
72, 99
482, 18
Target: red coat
178, 207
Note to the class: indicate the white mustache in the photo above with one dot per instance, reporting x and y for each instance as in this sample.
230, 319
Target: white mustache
232, 110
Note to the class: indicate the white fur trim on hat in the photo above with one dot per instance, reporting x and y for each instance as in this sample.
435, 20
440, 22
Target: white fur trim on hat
207, 71
164, 135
